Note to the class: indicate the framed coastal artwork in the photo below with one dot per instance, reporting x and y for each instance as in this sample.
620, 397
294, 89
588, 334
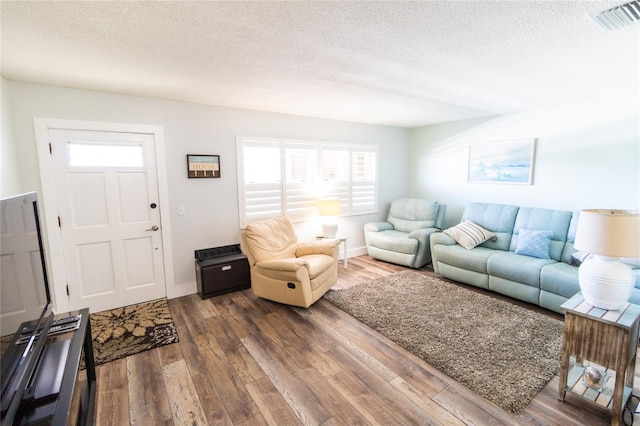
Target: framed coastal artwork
508, 162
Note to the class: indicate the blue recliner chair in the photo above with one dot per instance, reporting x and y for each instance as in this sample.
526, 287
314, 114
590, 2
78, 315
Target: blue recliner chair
404, 238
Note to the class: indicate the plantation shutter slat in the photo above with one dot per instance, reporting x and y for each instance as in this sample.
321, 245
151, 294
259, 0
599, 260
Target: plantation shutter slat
363, 183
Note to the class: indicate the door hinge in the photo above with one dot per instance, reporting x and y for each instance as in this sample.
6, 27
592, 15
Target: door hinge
67, 289
59, 222
50, 148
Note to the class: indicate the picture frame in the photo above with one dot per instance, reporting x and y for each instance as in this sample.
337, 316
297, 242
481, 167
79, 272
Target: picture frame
203, 166
502, 162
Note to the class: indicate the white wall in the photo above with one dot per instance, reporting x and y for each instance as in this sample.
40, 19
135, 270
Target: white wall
211, 204
586, 157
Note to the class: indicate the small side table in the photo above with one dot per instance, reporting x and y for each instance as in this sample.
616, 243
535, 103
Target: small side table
343, 241
606, 338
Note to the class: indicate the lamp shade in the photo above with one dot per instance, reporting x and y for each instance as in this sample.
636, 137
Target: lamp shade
614, 233
605, 282
329, 206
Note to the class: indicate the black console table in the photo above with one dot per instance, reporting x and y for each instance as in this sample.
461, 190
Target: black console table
221, 270
57, 410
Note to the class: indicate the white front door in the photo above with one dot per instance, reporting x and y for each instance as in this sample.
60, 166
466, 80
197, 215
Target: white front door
106, 187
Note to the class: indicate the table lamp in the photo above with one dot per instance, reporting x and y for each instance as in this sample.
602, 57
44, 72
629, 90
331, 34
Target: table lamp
605, 282
329, 208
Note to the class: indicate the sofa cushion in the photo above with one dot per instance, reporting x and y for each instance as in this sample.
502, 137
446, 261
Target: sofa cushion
560, 278
534, 243
472, 260
409, 214
393, 241
469, 234
544, 219
497, 218
517, 267
520, 291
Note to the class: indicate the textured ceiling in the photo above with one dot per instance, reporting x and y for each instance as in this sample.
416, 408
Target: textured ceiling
396, 63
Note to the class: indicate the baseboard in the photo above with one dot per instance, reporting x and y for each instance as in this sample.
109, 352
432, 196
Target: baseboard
183, 289
358, 251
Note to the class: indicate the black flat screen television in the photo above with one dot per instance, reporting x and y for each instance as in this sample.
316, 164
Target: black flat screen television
24, 296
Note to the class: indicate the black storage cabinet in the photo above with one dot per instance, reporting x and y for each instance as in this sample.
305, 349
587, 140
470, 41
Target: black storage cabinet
221, 270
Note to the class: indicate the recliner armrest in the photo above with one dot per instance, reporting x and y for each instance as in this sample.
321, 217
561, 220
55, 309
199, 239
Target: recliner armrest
377, 226
442, 238
421, 234
442, 210
291, 264
326, 246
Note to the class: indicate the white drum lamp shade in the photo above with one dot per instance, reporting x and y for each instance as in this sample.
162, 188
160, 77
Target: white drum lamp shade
605, 282
329, 208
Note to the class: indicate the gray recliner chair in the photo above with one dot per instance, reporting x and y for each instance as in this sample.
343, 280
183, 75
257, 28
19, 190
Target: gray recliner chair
404, 238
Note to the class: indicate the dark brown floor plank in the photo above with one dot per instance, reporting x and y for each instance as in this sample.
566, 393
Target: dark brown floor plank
192, 347
374, 410
402, 406
231, 389
169, 354
112, 396
272, 404
186, 406
188, 333
242, 362
147, 392
391, 360
294, 389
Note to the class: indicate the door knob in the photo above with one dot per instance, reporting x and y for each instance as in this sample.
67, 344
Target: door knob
153, 228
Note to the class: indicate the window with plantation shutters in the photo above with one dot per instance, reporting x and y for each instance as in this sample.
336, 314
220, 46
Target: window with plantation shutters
334, 175
300, 180
364, 188
287, 177
260, 180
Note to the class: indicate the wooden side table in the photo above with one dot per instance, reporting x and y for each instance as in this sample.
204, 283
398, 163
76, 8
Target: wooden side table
606, 338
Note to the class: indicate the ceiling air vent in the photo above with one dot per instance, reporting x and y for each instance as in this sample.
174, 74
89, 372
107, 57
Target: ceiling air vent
619, 16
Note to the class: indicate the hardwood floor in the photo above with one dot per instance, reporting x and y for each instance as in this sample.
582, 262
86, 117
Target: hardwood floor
242, 360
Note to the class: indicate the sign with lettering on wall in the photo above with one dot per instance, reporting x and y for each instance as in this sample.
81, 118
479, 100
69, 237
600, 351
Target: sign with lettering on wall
203, 166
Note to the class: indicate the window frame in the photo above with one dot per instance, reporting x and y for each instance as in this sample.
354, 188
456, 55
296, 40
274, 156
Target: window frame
107, 146
317, 186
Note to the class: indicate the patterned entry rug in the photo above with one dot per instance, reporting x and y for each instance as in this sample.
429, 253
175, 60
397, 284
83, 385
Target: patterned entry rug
125, 331
500, 350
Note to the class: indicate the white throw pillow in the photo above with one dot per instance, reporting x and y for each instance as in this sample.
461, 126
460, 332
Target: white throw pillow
469, 234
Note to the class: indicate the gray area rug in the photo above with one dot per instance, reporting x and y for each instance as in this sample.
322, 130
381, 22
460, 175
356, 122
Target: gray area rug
502, 351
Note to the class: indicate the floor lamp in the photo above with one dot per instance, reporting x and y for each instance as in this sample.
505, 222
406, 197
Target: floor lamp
606, 282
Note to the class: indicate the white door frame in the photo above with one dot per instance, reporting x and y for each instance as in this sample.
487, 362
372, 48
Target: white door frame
49, 202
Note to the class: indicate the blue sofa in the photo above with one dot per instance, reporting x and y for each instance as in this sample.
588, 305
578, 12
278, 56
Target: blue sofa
404, 238
498, 263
